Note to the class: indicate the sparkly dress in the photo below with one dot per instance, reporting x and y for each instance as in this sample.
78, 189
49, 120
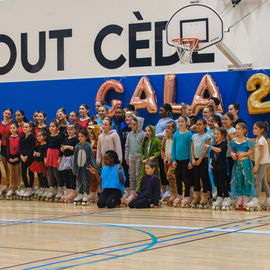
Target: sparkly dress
243, 182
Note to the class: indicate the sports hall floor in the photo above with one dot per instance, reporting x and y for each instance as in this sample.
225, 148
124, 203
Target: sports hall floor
41, 235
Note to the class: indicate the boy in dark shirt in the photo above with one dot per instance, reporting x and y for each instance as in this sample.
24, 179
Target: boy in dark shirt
150, 189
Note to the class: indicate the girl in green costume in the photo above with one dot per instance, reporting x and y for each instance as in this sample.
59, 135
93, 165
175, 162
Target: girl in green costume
150, 150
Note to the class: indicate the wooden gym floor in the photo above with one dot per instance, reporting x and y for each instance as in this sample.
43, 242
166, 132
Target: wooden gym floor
40, 235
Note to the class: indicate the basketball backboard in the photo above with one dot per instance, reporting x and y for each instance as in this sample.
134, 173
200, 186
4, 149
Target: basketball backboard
195, 21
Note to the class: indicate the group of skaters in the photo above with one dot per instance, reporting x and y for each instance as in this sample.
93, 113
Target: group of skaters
189, 161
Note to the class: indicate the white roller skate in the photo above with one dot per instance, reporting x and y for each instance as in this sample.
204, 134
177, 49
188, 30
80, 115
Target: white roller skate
227, 204
28, 194
51, 194
60, 193
185, 203
9, 195
253, 205
78, 199
36, 192
85, 199
217, 204
0, 194
266, 204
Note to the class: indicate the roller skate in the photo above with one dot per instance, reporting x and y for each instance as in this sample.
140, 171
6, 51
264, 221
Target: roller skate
44, 194
239, 203
132, 195
196, 200
204, 202
217, 204
227, 204
177, 201
37, 191
85, 199
10, 195
60, 192
39, 194
51, 194
78, 199
69, 198
185, 203
27, 195
92, 198
253, 205
266, 204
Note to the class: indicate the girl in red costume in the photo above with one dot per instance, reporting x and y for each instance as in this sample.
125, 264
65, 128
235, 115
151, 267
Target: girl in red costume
85, 117
4, 132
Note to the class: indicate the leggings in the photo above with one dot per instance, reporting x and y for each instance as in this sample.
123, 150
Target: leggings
68, 179
55, 180
43, 181
230, 162
220, 182
262, 181
182, 174
110, 197
163, 177
25, 167
201, 172
139, 202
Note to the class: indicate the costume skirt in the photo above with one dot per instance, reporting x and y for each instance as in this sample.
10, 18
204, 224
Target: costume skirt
66, 163
52, 157
38, 167
243, 182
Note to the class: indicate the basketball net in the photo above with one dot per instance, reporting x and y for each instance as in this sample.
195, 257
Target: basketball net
185, 48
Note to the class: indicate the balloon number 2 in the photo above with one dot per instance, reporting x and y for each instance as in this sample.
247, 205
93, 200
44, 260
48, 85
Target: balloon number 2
255, 104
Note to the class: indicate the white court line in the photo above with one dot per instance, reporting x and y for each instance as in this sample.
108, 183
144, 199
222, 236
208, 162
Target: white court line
137, 226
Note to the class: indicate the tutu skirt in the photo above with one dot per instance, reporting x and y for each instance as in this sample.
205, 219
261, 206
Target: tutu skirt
66, 163
38, 167
52, 157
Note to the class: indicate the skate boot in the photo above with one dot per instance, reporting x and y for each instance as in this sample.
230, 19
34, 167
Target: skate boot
37, 191
0, 193
60, 192
266, 204
39, 194
166, 195
92, 198
227, 204
9, 195
204, 203
253, 205
70, 196
28, 194
132, 195
78, 199
185, 202
21, 193
196, 200
44, 194
85, 199
239, 203
245, 202
177, 201
51, 194
217, 204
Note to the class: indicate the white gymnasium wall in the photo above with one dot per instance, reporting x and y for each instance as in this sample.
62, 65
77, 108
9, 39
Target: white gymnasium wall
249, 40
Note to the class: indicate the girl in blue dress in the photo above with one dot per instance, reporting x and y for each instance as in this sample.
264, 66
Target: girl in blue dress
243, 182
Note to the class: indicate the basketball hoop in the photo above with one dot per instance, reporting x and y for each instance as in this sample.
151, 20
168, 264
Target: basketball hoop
185, 48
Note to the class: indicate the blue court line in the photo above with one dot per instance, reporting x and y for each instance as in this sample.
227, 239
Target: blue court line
146, 246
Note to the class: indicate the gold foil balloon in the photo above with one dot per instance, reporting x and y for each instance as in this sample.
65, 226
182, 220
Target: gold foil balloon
255, 104
150, 102
169, 93
103, 90
199, 102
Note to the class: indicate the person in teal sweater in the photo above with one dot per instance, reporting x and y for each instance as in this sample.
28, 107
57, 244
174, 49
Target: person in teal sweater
150, 150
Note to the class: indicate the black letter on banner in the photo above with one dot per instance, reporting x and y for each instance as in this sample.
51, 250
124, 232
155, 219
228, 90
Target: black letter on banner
42, 53
105, 62
161, 60
60, 35
138, 44
13, 54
